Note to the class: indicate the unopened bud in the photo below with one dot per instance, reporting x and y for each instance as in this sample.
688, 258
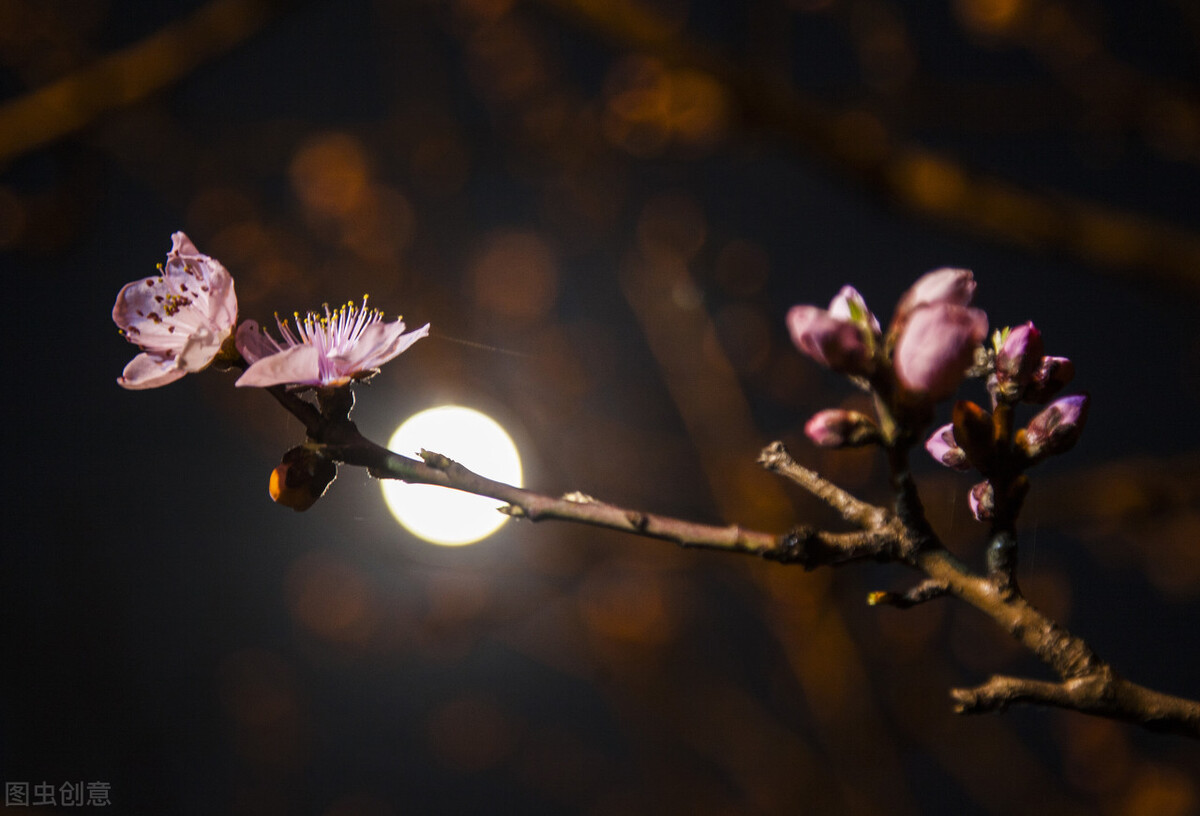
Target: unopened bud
835, 342
944, 449
1049, 379
974, 433
301, 478
956, 286
1018, 358
1055, 429
936, 348
982, 501
838, 428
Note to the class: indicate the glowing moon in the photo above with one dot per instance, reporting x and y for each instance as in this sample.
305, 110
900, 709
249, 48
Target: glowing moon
438, 514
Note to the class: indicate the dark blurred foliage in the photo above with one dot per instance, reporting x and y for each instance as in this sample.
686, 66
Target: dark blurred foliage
628, 195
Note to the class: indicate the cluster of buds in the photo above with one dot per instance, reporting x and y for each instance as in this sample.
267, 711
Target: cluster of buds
930, 344
185, 319
935, 340
1017, 372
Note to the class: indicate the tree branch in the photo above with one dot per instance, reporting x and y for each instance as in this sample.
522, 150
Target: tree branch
1088, 683
1103, 694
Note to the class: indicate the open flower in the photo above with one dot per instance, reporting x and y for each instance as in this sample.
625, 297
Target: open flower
179, 319
346, 344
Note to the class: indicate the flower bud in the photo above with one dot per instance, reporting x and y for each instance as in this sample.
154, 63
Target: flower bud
1055, 429
936, 348
1018, 358
849, 305
944, 449
1049, 379
837, 428
301, 478
975, 434
838, 343
955, 286
982, 501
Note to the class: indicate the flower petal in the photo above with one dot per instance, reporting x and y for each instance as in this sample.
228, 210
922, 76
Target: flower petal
378, 343
298, 365
148, 370
253, 343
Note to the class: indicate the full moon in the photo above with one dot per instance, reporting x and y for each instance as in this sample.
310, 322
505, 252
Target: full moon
474, 440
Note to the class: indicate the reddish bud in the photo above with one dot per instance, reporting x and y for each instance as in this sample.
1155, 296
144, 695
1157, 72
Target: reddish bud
1056, 428
1049, 379
974, 433
982, 501
301, 478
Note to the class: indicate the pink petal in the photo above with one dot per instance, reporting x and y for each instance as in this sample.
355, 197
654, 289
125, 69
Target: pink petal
379, 343
182, 245
298, 365
253, 343
149, 371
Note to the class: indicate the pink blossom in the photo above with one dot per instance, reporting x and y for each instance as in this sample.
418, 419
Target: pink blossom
346, 344
942, 447
843, 338
179, 318
936, 348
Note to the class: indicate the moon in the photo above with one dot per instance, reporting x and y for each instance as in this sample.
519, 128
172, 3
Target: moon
441, 515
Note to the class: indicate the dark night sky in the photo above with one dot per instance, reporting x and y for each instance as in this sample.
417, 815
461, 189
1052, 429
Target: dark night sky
169, 630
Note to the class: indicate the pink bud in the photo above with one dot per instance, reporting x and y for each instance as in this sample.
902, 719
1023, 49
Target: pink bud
1019, 356
1049, 379
837, 428
982, 501
849, 305
836, 343
1056, 428
937, 347
955, 286
943, 448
